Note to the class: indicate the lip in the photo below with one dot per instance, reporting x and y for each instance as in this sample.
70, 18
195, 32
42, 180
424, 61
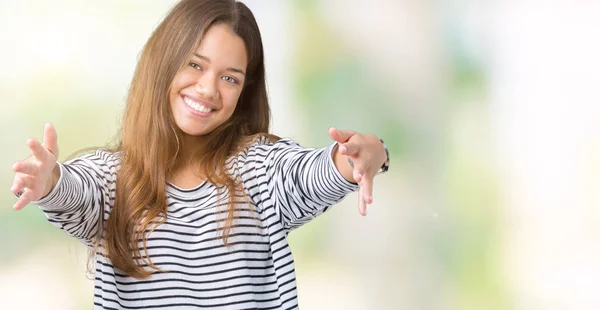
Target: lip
195, 112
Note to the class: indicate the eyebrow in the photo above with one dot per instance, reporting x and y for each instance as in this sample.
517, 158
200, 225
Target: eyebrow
240, 71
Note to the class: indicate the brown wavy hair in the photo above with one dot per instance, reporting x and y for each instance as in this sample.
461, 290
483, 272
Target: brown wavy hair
149, 137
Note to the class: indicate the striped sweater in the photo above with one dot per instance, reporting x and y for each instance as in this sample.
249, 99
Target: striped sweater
286, 186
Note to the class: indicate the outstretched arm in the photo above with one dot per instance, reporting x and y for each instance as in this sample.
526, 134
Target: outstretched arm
72, 195
301, 183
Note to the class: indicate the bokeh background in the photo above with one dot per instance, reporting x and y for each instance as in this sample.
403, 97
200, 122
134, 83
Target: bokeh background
491, 111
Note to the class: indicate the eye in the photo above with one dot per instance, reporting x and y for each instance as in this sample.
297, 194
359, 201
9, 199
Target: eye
195, 66
229, 79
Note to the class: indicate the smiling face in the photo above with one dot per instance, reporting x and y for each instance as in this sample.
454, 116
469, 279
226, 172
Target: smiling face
205, 92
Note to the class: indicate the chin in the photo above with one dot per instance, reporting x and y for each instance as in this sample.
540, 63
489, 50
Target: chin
191, 131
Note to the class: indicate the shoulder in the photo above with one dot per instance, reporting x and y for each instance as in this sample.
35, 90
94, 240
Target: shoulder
263, 145
98, 157
256, 148
107, 155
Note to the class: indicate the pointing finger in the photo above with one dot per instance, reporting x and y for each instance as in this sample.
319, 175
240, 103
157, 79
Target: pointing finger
367, 185
362, 206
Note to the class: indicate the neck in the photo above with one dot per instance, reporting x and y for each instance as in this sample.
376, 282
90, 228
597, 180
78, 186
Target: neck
190, 147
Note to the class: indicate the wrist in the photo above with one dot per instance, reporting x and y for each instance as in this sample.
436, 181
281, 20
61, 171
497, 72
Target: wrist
341, 164
52, 180
386, 164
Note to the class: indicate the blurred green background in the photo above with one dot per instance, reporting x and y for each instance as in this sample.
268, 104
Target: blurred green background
490, 110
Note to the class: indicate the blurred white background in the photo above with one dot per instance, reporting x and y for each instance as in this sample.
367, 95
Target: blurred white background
491, 110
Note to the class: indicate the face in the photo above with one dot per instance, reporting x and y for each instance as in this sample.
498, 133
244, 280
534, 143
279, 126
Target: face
204, 93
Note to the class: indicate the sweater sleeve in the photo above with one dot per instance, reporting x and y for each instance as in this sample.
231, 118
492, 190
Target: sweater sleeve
299, 183
83, 193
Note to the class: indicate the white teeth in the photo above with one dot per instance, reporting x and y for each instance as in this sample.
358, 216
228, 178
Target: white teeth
196, 106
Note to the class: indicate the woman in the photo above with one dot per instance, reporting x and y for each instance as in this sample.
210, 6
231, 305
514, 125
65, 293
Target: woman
193, 207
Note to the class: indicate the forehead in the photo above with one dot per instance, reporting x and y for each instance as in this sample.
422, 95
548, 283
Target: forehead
223, 47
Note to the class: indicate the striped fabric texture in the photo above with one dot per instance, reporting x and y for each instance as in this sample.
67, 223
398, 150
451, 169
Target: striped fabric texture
285, 186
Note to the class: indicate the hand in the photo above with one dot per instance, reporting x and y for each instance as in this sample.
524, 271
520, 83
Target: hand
33, 178
367, 154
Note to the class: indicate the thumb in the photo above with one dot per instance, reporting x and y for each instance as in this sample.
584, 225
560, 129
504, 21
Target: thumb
50, 139
341, 136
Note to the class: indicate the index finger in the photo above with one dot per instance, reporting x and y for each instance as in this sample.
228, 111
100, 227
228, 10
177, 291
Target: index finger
38, 151
24, 167
367, 184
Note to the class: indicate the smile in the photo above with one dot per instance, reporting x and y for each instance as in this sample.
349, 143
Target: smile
196, 105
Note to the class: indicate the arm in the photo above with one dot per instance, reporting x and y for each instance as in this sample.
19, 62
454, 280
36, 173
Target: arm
298, 183
83, 193
74, 193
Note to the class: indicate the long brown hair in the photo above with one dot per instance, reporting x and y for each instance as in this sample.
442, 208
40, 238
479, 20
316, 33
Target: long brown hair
149, 141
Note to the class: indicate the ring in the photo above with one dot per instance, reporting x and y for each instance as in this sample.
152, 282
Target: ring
19, 193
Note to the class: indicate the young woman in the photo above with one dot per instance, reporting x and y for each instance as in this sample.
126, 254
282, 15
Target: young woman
193, 208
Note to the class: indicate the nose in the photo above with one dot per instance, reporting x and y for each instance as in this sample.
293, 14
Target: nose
206, 86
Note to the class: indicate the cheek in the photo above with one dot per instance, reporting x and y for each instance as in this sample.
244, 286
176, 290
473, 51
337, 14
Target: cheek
175, 88
173, 94
230, 100
180, 81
